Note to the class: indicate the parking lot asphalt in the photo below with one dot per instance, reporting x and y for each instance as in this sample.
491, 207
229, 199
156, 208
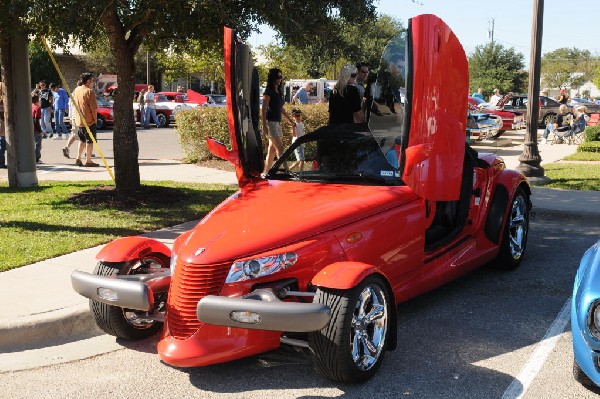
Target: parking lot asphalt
44, 310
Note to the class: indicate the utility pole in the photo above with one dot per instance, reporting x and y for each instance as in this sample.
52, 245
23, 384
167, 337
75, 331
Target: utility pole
491, 29
530, 158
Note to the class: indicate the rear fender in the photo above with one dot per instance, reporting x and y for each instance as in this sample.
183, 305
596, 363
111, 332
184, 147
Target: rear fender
343, 275
507, 184
128, 248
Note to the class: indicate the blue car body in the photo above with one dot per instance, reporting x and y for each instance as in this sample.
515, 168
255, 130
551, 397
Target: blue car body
586, 335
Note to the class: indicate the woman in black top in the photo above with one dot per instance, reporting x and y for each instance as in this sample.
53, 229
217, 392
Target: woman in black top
271, 112
345, 101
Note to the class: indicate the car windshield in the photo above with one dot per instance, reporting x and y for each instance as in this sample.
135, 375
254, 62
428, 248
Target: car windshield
334, 154
160, 98
102, 102
218, 99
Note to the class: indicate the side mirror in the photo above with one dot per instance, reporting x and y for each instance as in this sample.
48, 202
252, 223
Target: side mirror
219, 149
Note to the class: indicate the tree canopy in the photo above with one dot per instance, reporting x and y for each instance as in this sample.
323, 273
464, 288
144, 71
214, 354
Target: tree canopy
492, 66
168, 24
568, 67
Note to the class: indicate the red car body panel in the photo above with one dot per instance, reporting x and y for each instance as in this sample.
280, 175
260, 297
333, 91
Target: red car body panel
340, 233
439, 85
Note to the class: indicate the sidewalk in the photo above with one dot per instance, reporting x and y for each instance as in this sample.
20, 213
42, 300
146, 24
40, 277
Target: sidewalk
43, 310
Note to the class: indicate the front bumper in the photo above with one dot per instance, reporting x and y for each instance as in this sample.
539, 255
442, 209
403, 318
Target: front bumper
126, 291
264, 311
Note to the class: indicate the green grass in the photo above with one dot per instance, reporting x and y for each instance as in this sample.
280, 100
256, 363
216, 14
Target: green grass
40, 223
583, 156
573, 176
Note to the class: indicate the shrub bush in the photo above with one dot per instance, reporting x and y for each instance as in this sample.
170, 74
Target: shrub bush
592, 133
195, 125
589, 146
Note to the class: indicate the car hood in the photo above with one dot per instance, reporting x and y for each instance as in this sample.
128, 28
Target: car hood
272, 214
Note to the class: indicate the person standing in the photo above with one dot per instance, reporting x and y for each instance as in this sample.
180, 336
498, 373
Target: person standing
36, 115
150, 108
74, 129
84, 98
301, 96
478, 94
271, 113
345, 102
46, 99
297, 132
362, 75
61, 104
141, 102
496, 97
563, 97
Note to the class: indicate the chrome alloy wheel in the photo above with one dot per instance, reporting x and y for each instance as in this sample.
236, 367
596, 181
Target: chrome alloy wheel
368, 327
518, 226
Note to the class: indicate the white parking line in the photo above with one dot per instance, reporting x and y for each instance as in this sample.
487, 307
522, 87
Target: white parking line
519, 386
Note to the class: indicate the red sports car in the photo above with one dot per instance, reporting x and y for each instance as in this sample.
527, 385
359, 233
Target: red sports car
511, 121
318, 252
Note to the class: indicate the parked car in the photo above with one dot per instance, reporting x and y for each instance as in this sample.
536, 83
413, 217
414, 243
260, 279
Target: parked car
585, 318
165, 109
105, 115
517, 103
357, 233
592, 107
483, 126
511, 121
215, 100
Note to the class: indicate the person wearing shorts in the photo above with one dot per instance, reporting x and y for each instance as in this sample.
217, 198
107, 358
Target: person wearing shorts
84, 98
271, 113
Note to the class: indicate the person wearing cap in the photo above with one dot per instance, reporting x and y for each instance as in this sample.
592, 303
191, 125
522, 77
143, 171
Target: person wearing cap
563, 97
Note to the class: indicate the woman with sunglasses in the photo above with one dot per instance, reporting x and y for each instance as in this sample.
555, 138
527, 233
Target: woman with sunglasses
271, 112
345, 101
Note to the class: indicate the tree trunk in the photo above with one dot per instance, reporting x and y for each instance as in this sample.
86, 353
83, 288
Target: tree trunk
9, 120
125, 143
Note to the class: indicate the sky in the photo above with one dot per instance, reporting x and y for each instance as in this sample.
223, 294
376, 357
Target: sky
566, 24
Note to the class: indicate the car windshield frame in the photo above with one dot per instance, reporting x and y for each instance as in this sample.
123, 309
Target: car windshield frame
338, 154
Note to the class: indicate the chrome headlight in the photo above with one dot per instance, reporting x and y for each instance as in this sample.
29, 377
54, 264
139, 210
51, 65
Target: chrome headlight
259, 267
594, 319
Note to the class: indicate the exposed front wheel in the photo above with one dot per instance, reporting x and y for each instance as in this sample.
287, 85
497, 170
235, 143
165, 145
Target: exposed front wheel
163, 121
351, 347
100, 123
128, 323
549, 118
516, 228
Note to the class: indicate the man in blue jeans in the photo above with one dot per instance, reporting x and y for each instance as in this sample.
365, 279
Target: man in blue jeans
61, 104
150, 109
46, 99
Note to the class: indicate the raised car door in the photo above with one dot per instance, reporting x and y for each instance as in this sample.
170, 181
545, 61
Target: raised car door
437, 82
242, 92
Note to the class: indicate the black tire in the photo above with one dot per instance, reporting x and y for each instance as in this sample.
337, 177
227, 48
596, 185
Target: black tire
548, 118
514, 235
163, 121
115, 320
100, 123
332, 346
582, 377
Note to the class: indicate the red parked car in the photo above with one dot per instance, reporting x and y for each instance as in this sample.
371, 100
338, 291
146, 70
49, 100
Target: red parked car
317, 254
105, 115
511, 121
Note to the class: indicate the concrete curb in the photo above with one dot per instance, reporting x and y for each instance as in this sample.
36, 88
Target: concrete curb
36, 331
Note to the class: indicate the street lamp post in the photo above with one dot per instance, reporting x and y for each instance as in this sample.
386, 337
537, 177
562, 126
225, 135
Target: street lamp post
530, 158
